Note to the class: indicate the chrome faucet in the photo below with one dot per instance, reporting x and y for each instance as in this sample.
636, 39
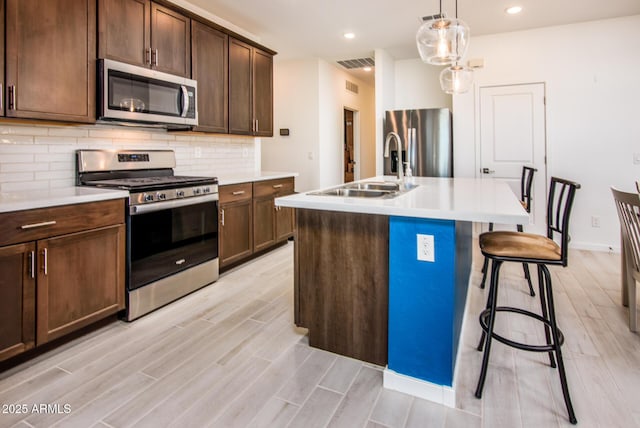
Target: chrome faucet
391, 135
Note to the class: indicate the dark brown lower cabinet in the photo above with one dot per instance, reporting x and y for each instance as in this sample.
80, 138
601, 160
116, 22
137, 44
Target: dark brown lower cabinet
61, 269
17, 300
236, 223
271, 224
345, 314
80, 280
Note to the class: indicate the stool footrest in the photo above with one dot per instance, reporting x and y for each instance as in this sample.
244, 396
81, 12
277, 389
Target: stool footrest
484, 315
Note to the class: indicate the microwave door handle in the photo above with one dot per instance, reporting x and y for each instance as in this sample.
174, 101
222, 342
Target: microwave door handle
185, 101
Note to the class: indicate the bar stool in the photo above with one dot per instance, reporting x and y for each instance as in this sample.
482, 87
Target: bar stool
520, 247
526, 182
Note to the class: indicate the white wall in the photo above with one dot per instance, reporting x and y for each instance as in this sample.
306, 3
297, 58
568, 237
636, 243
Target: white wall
417, 85
41, 157
309, 99
385, 98
295, 107
593, 120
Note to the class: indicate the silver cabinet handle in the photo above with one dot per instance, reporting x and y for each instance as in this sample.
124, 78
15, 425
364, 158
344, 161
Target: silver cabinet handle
32, 264
180, 262
155, 56
36, 225
44, 261
257, 126
12, 95
222, 220
1, 96
239, 192
277, 186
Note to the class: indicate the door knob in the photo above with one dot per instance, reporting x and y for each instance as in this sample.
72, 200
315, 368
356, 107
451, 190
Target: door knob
487, 171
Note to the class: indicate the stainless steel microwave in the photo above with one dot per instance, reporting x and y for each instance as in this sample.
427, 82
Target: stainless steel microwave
127, 93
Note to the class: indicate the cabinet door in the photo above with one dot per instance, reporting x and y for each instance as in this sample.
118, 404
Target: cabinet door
209, 63
263, 93
240, 89
124, 29
17, 300
80, 280
50, 59
285, 218
236, 232
263, 223
170, 41
2, 91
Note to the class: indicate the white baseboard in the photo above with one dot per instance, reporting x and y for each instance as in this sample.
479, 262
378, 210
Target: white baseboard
595, 247
419, 388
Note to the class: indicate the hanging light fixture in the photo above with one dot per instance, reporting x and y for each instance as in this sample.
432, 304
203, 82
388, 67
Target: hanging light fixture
456, 79
442, 40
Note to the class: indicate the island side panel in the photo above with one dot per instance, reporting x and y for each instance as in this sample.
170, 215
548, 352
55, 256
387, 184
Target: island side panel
427, 298
342, 282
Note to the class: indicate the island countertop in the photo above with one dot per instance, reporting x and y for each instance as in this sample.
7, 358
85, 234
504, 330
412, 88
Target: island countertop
464, 199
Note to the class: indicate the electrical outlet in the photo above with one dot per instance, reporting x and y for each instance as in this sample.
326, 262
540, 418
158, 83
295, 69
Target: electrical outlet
426, 251
197, 152
595, 221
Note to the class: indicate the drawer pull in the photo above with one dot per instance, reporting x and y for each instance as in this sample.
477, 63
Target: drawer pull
35, 225
181, 261
239, 192
32, 264
277, 186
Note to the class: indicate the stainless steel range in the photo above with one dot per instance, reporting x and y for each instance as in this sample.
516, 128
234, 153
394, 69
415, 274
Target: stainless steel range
172, 223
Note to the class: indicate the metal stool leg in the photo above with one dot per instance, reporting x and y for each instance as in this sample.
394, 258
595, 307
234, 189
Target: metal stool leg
485, 267
556, 342
545, 314
493, 287
525, 268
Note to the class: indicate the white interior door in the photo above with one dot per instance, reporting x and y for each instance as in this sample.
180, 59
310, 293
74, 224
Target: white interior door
512, 134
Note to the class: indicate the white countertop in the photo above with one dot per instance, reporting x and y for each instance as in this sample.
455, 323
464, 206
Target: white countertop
31, 199
466, 199
244, 178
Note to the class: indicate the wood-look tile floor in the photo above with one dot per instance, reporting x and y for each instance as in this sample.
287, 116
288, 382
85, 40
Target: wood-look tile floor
229, 356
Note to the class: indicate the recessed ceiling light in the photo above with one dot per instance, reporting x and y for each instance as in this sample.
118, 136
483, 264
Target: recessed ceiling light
366, 68
513, 10
349, 35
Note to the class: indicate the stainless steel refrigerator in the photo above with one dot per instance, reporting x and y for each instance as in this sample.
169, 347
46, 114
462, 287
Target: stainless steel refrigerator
430, 135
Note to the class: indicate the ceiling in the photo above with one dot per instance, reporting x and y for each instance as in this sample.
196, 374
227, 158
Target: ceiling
306, 28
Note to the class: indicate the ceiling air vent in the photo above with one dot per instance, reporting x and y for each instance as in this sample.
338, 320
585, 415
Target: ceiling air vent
357, 63
351, 87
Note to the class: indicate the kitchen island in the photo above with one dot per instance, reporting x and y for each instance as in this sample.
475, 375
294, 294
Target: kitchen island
385, 280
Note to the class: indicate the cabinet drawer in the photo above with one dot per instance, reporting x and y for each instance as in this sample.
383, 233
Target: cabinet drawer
235, 192
281, 186
32, 225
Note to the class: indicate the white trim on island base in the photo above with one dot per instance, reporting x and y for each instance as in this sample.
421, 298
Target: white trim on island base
440, 394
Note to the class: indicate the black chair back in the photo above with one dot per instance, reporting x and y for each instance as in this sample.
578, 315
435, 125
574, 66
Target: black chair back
561, 195
628, 205
526, 183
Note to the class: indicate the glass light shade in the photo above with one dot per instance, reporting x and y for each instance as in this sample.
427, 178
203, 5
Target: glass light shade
442, 41
456, 79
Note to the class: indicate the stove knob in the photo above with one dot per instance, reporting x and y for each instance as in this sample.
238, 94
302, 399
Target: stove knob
206, 190
180, 193
161, 196
196, 191
148, 198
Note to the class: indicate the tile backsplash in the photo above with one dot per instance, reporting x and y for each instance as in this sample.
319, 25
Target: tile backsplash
39, 157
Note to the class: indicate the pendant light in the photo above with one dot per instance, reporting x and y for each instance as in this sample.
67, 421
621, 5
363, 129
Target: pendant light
442, 40
456, 79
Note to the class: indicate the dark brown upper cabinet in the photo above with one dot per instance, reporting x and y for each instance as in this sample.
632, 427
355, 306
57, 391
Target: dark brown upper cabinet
210, 67
50, 59
250, 90
144, 33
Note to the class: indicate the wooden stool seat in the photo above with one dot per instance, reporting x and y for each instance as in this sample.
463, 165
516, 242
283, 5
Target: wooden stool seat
520, 246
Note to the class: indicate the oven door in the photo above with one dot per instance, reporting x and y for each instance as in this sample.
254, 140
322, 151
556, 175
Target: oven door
170, 237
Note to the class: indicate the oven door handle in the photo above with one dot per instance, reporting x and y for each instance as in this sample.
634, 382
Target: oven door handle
158, 206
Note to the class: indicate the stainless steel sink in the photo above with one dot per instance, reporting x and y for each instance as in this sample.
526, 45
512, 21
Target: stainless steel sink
367, 189
359, 193
374, 185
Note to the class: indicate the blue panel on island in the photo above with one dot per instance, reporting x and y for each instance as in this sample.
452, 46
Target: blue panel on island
427, 299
